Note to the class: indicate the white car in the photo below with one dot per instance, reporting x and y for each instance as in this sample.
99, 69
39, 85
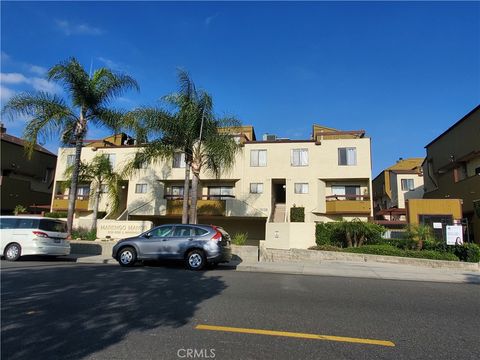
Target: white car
32, 235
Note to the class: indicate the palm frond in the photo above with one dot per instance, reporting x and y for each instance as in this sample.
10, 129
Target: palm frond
107, 85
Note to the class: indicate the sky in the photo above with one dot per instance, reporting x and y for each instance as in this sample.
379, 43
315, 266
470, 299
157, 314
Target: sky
402, 71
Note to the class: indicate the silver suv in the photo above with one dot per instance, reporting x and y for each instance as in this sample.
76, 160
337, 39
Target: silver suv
197, 245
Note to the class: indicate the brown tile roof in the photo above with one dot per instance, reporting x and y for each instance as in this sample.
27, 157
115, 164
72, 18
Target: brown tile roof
18, 141
407, 164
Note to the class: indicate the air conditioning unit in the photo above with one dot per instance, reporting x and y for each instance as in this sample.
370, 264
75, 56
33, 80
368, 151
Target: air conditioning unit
269, 137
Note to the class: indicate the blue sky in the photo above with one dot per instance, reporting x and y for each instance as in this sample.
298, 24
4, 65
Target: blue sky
404, 72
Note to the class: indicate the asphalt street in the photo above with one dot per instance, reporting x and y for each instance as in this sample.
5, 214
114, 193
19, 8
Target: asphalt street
54, 309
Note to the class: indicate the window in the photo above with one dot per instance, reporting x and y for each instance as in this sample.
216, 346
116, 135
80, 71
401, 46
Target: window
111, 158
48, 175
407, 184
220, 192
347, 156
256, 188
83, 191
460, 172
299, 157
141, 188
53, 225
349, 192
161, 231
27, 223
258, 158
301, 188
179, 160
70, 160
183, 231
8, 223
177, 190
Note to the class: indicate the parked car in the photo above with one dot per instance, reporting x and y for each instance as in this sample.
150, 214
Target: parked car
197, 245
30, 235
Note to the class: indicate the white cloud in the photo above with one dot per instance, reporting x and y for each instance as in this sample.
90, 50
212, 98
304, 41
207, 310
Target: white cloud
113, 64
209, 19
37, 83
12, 78
69, 28
5, 93
39, 70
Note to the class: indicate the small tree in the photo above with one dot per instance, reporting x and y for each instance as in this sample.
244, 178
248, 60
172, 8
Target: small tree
19, 209
100, 174
357, 232
420, 234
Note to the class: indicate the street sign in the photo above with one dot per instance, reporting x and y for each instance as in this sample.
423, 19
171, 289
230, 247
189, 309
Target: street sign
454, 235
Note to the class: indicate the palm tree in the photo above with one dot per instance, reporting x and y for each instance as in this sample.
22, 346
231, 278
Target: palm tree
189, 126
51, 115
99, 173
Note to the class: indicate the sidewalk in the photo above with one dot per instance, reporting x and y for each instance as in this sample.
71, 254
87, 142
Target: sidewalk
349, 269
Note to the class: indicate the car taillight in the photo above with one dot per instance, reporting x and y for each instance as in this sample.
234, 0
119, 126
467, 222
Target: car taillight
217, 237
40, 234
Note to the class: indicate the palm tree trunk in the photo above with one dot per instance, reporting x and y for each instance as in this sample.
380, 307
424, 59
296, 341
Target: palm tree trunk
193, 205
72, 197
186, 194
95, 208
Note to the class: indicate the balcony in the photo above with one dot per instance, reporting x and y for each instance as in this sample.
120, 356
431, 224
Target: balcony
60, 202
207, 207
348, 204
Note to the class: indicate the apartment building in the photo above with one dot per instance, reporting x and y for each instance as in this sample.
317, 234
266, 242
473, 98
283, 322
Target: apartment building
329, 175
452, 168
394, 185
23, 181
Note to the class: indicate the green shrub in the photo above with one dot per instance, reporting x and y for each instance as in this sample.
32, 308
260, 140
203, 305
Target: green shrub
56, 214
325, 234
19, 209
390, 250
357, 233
297, 214
420, 234
467, 252
84, 234
403, 244
239, 238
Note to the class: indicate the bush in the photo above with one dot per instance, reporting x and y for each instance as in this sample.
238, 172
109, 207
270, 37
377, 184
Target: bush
420, 234
297, 214
390, 250
325, 234
56, 215
19, 209
467, 252
239, 238
84, 234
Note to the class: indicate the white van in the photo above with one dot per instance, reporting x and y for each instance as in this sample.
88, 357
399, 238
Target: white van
30, 235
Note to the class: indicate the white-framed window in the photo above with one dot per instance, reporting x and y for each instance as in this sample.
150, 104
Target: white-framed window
299, 157
220, 192
347, 192
83, 191
176, 190
141, 188
301, 188
256, 188
407, 184
179, 160
111, 158
258, 158
347, 156
70, 160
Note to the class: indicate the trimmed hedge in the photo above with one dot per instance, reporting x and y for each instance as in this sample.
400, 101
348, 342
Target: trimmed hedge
297, 214
56, 214
389, 250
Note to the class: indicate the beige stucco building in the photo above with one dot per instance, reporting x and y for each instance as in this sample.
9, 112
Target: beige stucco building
452, 168
329, 175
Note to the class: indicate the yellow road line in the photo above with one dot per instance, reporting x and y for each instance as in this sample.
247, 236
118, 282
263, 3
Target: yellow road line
295, 335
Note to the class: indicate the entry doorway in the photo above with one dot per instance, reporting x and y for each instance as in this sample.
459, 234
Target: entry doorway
279, 191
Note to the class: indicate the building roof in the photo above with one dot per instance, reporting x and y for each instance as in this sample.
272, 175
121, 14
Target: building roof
477, 108
410, 164
18, 141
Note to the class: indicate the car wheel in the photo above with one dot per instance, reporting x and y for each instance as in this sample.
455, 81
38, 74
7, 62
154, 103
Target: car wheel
196, 260
12, 252
127, 256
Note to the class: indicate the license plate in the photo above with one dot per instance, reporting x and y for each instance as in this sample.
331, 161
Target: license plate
57, 241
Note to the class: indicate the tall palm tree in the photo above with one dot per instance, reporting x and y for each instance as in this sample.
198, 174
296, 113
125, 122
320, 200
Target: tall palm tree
51, 115
190, 126
100, 174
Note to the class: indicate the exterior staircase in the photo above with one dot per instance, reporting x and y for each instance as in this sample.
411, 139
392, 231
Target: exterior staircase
279, 213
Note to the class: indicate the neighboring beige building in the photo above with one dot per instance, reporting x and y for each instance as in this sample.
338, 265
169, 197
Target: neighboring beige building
394, 185
329, 176
23, 181
452, 168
